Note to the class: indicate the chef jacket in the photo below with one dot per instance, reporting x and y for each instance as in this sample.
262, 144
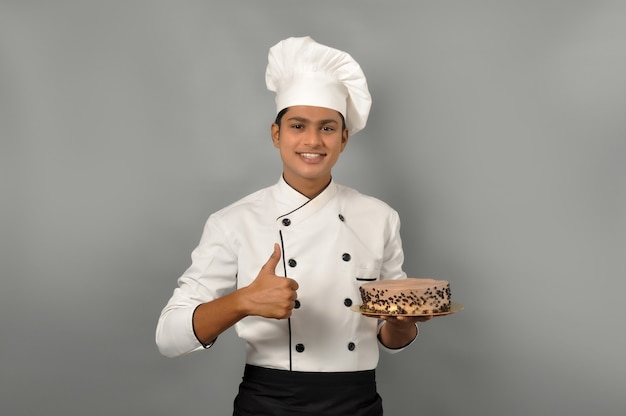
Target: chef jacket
330, 244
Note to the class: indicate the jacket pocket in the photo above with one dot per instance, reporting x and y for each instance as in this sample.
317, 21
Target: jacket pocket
368, 274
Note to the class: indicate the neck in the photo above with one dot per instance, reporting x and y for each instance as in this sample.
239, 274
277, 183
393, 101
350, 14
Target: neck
308, 189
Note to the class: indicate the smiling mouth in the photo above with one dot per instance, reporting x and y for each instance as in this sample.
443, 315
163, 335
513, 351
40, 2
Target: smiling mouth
311, 155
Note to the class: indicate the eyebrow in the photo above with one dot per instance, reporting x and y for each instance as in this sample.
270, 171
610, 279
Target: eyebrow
306, 120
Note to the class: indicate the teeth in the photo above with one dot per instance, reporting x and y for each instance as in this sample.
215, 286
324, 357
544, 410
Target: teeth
309, 155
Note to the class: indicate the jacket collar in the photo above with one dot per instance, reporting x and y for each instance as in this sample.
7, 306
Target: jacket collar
297, 206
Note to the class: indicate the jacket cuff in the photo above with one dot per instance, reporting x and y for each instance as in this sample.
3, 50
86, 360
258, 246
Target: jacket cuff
388, 350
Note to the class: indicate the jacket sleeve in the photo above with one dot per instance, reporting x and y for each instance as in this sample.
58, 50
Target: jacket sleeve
393, 253
212, 274
393, 260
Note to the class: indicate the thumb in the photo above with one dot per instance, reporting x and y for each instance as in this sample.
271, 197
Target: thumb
272, 262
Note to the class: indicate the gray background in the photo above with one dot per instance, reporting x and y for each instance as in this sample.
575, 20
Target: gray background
497, 131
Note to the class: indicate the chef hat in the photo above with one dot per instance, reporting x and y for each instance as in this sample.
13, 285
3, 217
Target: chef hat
304, 72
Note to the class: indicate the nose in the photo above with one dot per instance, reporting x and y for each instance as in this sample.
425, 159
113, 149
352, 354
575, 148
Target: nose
312, 138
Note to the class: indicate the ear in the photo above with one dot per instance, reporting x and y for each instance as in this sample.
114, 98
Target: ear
344, 139
275, 133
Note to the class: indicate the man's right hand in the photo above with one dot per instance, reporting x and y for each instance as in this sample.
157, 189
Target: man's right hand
269, 295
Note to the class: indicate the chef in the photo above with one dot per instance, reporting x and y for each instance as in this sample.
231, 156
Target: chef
284, 264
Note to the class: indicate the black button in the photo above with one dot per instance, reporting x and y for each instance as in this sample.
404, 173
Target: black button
347, 302
299, 347
346, 257
351, 346
286, 222
341, 217
297, 305
292, 263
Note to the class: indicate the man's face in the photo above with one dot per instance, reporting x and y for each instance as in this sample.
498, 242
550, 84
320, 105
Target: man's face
310, 140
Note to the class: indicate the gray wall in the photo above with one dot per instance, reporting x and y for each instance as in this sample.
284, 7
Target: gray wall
497, 131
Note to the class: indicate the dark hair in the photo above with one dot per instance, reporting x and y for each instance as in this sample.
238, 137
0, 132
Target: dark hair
282, 112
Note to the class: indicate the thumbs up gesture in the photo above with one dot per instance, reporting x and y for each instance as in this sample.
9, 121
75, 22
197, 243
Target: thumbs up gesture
269, 295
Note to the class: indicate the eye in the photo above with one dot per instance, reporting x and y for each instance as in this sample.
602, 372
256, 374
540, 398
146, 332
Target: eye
297, 126
328, 129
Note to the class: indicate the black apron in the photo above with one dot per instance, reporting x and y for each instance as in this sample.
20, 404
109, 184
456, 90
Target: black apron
271, 392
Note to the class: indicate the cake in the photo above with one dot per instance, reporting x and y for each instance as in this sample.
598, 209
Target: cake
411, 296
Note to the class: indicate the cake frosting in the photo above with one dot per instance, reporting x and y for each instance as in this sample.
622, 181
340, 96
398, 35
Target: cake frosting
410, 296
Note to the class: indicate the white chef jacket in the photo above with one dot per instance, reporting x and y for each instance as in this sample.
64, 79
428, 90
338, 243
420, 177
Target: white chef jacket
330, 244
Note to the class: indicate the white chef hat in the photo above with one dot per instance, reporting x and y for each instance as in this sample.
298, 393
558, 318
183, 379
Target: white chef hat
303, 72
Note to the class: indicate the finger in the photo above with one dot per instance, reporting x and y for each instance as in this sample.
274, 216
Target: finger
272, 262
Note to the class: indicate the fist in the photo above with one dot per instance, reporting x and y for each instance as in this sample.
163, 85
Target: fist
269, 295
